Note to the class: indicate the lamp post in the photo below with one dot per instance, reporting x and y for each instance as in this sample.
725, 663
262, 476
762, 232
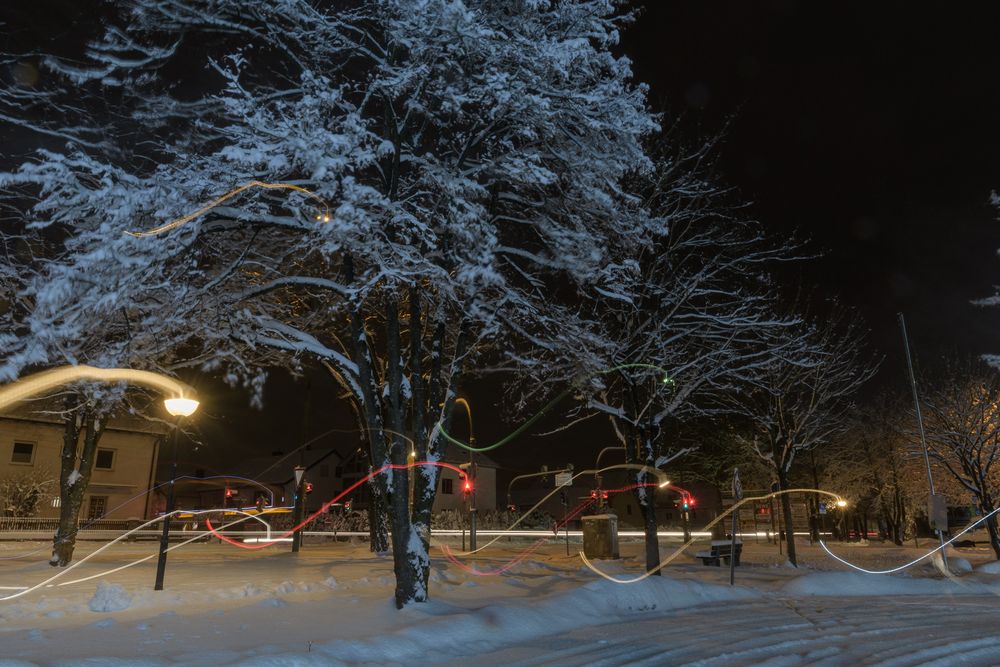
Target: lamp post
178, 407
471, 475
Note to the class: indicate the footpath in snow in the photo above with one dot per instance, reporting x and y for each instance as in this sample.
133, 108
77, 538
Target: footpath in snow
331, 605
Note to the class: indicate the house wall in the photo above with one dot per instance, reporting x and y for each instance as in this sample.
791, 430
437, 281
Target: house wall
123, 487
486, 490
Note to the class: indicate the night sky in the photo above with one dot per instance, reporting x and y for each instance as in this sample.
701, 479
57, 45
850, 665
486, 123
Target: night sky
867, 127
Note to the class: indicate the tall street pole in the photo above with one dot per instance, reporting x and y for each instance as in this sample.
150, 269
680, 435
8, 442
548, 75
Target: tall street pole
178, 407
920, 425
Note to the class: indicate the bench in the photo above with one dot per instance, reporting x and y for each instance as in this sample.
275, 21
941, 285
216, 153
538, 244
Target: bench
722, 551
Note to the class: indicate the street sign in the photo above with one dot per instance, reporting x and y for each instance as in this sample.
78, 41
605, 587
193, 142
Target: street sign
564, 479
822, 508
937, 512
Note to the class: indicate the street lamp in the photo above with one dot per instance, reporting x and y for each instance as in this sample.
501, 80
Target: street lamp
178, 407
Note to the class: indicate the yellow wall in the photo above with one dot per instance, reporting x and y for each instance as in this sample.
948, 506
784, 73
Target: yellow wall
124, 485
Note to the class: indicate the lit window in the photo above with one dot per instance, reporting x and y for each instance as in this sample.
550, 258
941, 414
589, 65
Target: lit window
105, 459
24, 452
447, 486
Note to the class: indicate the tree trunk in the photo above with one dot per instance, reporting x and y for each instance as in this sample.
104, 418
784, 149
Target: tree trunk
371, 407
74, 479
409, 556
991, 528
786, 514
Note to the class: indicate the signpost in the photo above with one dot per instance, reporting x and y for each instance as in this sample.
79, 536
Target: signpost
737, 496
564, 479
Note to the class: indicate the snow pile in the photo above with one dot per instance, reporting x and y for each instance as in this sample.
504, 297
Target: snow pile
504, 624
992, 567
109, 597
856, 584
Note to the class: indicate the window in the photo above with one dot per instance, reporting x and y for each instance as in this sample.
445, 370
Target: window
447, 485
98, 506
24, 453
105, 459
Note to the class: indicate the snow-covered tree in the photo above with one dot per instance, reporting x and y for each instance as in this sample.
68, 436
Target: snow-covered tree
464, 162
963, 434
802, 401
874, 465
697, 324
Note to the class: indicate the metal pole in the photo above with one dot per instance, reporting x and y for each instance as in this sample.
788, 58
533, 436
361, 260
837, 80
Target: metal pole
920, 426
473, 511
299, 514
565, 504
161, 562
737, 496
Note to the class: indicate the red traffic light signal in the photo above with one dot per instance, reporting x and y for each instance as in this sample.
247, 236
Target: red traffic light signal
309, 487
467, 487
230, 493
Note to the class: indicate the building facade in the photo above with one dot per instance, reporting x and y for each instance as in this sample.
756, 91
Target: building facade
124, 466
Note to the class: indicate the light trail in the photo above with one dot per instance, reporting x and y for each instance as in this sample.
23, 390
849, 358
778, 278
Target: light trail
618, 466
669, 559
326, 505
39, 383
173, 224
64, 571
523, 554
916, 560
545, 408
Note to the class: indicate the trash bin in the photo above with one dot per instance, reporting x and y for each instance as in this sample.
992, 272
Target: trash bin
600, 536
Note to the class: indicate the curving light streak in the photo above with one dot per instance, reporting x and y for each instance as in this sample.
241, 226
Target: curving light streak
912, 562
669, 559
42, 382
173, 224
572, 514
545, 408
324, 506
618, 466
63, 572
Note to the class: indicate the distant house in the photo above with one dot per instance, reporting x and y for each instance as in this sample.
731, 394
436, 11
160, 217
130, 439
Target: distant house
123, 468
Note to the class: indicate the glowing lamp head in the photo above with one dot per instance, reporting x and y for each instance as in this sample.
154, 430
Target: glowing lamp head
841, 503
181, 406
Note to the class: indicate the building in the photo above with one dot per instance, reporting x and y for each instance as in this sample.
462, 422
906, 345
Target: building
124, 466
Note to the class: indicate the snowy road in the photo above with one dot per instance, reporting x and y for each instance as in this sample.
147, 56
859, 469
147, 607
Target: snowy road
887, 632
330, 605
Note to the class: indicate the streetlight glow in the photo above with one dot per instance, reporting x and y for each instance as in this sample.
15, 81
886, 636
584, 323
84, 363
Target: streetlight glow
180, 406
665, 484
841, 503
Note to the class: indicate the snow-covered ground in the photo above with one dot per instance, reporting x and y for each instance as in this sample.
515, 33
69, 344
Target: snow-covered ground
331, 604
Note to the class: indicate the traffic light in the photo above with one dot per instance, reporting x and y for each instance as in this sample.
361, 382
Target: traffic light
309, 487
230, 493
470, 476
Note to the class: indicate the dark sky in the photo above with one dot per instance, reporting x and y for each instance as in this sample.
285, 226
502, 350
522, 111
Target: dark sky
867, 127
870, 128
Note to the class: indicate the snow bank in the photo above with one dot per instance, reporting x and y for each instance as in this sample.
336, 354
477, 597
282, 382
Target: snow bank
857, 584
992, 567
503, 624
